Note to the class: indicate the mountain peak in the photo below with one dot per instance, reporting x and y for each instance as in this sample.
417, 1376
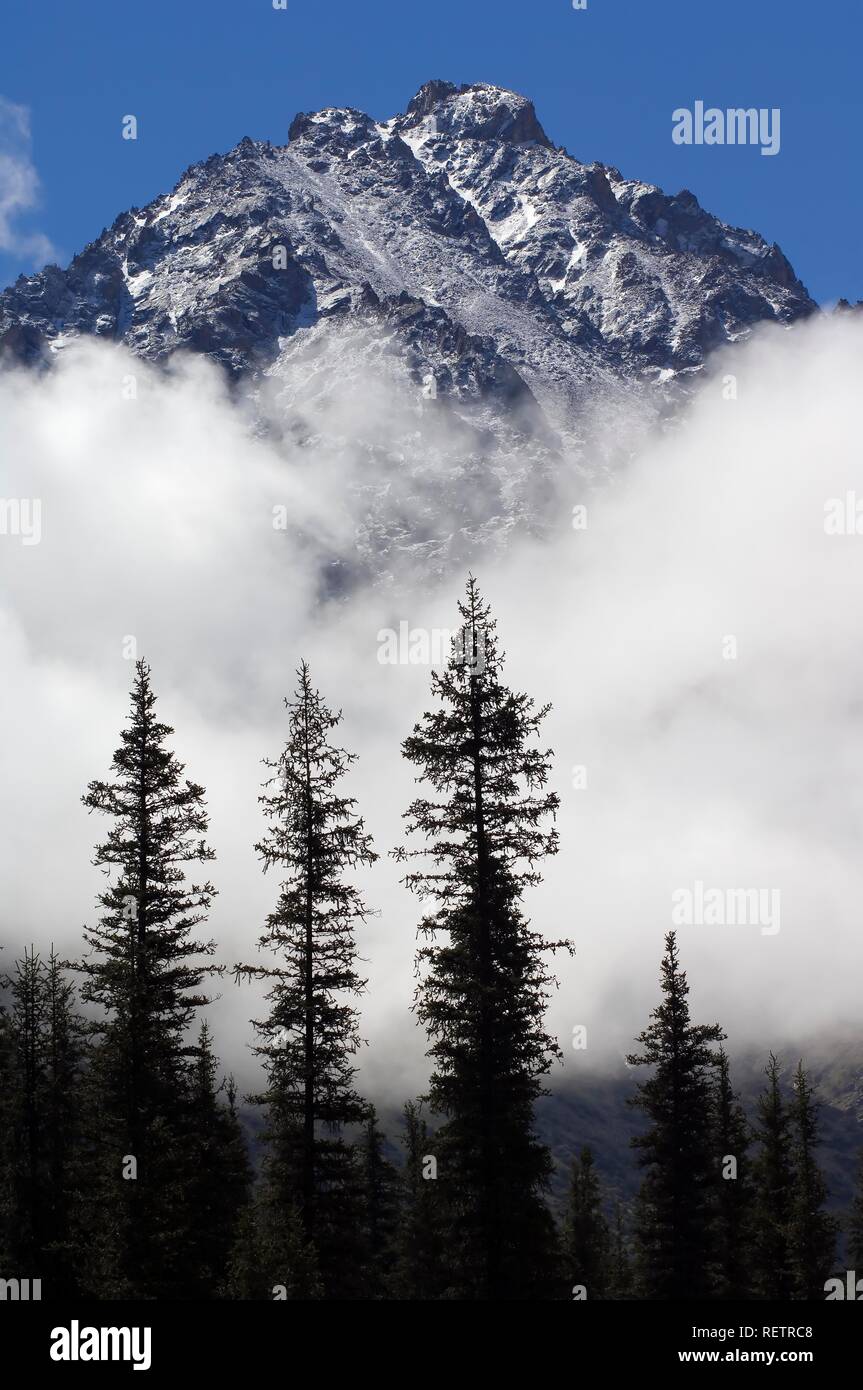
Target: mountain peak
498, 292
476, 111
520, 259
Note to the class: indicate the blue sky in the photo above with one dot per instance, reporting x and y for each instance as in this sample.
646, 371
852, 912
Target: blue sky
605, 80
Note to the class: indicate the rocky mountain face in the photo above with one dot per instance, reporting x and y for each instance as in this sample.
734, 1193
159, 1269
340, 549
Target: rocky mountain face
496, 291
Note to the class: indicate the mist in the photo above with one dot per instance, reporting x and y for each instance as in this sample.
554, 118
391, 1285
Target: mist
696, 634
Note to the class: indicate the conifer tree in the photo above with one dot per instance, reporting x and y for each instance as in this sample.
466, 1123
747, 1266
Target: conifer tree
420, 1270
674, 1227
812, 1231
310, 1036
144, 969
773, 1175
587, 1239
6, 1157
382, 1199
855, 1223
67, 1162
734, 1189
44, 1114
220, 1175
484, 986
620, 1279
272, 1259
27, 1184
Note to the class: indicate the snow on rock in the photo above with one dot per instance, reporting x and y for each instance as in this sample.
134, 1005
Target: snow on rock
454, 245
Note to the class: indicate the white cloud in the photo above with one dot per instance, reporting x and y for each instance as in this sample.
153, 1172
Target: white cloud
157, 521
19, 187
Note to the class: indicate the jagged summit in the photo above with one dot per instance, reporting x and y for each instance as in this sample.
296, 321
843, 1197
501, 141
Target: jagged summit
569, 271
452, 254
477, 111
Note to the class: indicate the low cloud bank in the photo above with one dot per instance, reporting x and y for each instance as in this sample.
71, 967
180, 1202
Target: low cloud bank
698, 638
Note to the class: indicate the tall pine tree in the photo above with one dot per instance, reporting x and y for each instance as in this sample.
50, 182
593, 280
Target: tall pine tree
28, 1181
382, 1191
620, 1279
220, 1178
484, 986
812, 1231
587, 1239
144, 970
773, 1174
674, 1225
309, 1037
271, 1259
420, 1268
44, 1109
6, 1154
734, 1189
854, 1226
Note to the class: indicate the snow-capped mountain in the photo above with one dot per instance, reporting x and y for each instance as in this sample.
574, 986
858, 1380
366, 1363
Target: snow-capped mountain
495, 285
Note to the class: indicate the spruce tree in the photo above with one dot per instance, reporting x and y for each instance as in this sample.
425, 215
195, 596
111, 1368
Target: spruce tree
27, 1176
587, 1239
271, 1259
855, 1224
144, 970
484, 987
47, 1042
773, 1175
420, 1269
674, 1225
812, 1231
733, 1189
67, 1160
382, 1201
220, 1175
6, 1156
620, 1279
309, 1037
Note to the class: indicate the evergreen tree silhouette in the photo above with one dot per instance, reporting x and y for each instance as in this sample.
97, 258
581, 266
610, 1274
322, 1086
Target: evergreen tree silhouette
7, 1157
484, 987
309, 1037
271, 1258
812, 1231
734, 1189
773, 1175
382, 1191
620, 1279
674, 1225
28, 1179
220, 1178
144, 970
421, 1268
587, 1239
47, 1170
855, 1223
